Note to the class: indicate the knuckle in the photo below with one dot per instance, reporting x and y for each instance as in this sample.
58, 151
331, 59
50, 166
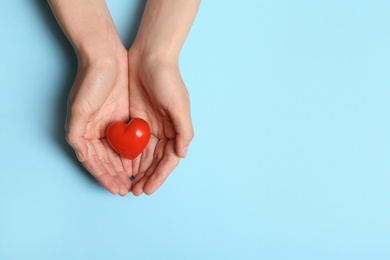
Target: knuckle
190, 135
71, 139
170, 159
76, 111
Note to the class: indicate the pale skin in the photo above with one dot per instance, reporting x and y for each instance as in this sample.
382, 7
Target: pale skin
113, 84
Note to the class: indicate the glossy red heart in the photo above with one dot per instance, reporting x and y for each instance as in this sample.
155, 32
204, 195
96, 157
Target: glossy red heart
129, 140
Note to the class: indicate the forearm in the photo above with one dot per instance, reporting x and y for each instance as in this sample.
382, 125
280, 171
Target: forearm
165, 26
89, 27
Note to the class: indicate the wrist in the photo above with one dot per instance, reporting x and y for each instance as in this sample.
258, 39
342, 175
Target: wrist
151, 57
105, 53
164, 28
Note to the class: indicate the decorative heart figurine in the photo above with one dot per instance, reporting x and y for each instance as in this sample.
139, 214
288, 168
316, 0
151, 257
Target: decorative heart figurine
129, 140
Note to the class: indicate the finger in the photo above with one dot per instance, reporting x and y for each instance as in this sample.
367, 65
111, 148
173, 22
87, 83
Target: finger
101, 175
147, 155
142, 178
104, 160
151, 163
127, 165
166, 165
93, 164
136, 162
76, 125
101, 153
116, 163
142, 163
182, 123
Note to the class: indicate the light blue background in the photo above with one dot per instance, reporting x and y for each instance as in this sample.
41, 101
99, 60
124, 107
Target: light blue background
291, 107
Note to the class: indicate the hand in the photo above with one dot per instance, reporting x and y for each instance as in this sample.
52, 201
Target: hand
158, 95
100, 92
157, 91
98, 97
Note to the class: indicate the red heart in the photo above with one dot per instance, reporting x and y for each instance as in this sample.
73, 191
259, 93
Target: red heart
129, 140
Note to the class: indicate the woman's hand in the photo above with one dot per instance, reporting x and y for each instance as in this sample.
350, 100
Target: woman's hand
158, 95
100, 92
107, 75
157, 91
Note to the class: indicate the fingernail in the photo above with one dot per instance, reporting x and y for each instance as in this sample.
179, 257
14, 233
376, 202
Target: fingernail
79, 156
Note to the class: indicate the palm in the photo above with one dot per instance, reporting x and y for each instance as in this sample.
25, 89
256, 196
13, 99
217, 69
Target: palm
114, 108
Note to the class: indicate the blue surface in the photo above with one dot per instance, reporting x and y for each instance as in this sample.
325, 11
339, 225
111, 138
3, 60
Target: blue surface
291, 107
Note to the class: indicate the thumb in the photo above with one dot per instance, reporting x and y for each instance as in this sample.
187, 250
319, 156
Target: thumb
184, 131
76, 124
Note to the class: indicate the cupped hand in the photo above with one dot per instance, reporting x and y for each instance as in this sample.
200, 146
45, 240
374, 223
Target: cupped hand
158, 95
98, 97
